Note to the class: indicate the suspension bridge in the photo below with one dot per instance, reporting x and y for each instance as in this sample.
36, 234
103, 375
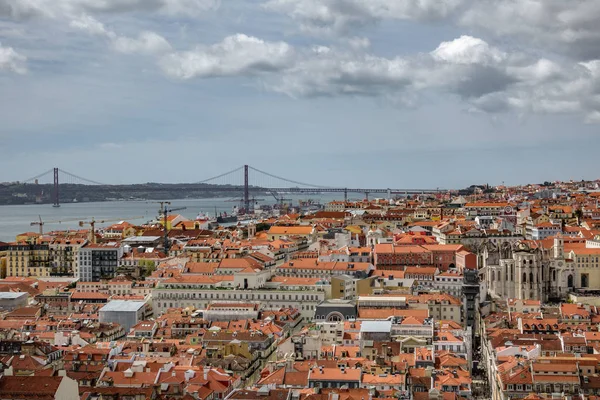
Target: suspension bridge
244, 180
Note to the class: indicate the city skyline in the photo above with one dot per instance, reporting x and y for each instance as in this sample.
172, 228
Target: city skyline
378, 94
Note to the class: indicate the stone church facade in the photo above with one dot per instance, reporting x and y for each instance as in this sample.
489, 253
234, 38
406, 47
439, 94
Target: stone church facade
525, 270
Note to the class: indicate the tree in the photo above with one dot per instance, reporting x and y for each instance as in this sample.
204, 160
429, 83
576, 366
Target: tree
262, 227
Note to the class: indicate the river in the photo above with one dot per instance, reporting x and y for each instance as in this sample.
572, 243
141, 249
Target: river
17, 219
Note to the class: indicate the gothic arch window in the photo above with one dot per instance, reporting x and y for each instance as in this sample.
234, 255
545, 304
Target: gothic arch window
498, 276
524, 277
554, 275
512, 272
530, 280
584, 280
570, 281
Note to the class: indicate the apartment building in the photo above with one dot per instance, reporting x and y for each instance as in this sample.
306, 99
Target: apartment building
98, 261
28, 260
199, 292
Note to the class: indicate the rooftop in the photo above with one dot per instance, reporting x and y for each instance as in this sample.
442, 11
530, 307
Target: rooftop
123, 305
376, 326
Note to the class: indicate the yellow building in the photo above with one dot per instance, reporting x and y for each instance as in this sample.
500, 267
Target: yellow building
278, 232
28, 237
348, 287
3, 259
586, 262
28, 260
3, 264
172, 220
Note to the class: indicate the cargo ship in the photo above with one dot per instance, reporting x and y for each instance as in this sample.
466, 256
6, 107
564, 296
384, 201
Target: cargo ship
225, 218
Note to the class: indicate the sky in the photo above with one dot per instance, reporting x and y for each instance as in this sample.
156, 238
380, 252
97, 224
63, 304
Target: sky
379, 93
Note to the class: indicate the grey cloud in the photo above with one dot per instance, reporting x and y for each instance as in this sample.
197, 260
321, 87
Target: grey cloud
486, 78
341, 16
25, 9
480, 81
20, 9
567, 27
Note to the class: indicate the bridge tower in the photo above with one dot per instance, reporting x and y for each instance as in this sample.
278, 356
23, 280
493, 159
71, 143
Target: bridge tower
246, 192
56, 194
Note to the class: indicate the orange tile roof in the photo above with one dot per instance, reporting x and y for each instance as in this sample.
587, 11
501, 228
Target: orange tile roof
291, 230
335, 374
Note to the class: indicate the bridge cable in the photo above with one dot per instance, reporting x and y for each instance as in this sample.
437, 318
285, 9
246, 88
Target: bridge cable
39, 176
289, 180
82, 179
220, 176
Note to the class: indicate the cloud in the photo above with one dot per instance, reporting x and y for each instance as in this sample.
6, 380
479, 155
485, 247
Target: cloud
235, 55
566, 27
467, 50
91, 25
327, 72
25, 9
12, 61
147, 43
110, 146
570, 28
486, 78
359, 43
341, 16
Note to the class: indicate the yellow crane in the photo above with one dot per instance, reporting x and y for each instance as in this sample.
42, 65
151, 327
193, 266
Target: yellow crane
41, 223
92, 223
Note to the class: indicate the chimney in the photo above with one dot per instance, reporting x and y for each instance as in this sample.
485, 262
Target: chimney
271, 366
189, 374
206, 371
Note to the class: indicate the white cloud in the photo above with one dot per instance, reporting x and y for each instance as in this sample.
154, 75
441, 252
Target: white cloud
90, 25
235, 55
12, 61
146, 43
359, 43
110, 146
468, 50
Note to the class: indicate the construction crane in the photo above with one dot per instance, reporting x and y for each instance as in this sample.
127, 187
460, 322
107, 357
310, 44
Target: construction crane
41, 223
164, 211
279, 199
93, 222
